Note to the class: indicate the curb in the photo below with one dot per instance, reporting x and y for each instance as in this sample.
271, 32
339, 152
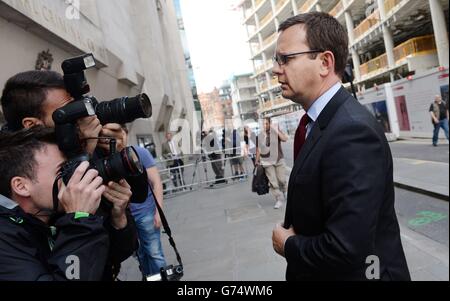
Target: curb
422, 191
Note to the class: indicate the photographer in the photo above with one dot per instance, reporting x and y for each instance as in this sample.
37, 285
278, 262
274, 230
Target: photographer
29, 248
147, 218
215, 155
29, 99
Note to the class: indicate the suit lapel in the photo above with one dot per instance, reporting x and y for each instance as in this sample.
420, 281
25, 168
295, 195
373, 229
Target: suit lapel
316, 132
310, 142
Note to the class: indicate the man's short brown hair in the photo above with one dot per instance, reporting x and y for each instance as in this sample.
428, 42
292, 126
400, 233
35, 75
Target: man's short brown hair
24, 95
323, 32
17, 154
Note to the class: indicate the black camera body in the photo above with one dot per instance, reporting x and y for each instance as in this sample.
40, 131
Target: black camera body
168, 273
121, 110
114, 167
117, 165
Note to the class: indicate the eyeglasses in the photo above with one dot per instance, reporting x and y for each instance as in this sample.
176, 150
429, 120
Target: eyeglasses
281, 59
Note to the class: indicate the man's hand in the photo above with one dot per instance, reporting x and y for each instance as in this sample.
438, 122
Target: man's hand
82, 193
113, 130
119, 195
89, 127
279, 237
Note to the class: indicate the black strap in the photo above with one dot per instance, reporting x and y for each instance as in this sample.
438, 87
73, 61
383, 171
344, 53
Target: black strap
164, 222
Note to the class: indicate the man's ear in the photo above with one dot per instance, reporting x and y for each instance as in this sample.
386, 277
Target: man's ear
29, 122
20, 186
328, 62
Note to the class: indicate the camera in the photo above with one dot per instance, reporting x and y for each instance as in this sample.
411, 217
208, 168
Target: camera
168, 273
121, 110
116, 165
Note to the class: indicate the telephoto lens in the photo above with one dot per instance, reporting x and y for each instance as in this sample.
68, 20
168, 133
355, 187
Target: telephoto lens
115, 167
124, 110
119, 165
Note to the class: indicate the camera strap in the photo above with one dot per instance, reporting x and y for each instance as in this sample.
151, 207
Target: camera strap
164, 222
55, 192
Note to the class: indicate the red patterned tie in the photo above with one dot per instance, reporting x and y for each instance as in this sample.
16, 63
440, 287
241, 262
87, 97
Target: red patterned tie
300, 135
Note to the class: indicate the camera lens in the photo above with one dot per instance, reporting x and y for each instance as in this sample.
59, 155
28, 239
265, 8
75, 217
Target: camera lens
124, 110
119, 165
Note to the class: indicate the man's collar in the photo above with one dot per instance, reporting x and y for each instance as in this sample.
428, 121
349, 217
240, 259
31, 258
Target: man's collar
318, 105
7, 203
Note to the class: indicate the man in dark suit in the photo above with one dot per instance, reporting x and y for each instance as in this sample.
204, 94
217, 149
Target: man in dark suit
340, 222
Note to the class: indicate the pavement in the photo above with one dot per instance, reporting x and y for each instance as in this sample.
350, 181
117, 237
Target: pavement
426, 176
224, 233
422, 167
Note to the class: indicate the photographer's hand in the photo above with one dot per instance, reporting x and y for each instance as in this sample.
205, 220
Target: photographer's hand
82, 193
119, 195
113, 130
89, 127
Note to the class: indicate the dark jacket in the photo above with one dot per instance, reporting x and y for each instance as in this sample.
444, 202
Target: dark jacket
341, 199
29, 251
124, 242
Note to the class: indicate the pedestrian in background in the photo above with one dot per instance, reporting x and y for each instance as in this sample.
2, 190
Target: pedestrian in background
272, 159
172, 153
147, 219
439, 118
249, 146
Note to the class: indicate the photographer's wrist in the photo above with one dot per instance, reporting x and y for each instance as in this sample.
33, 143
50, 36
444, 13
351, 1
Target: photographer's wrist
118, 218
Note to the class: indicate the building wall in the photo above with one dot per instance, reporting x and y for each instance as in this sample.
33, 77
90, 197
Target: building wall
245, 101
216, 108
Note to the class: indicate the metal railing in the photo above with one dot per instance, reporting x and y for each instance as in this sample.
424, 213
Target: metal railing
279, 4
257, 2
339, 7
263, 86
274, 82
279, 101
206, 170
267, 105
412, 47
306, 6
390, 4
367, 24
260, 69
265, 20
380, 62
269, 40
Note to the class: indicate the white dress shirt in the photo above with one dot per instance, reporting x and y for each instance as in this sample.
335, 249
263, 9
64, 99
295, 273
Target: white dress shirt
317, 107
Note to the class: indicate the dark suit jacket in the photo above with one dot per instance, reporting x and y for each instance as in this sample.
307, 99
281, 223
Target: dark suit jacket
341, 199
